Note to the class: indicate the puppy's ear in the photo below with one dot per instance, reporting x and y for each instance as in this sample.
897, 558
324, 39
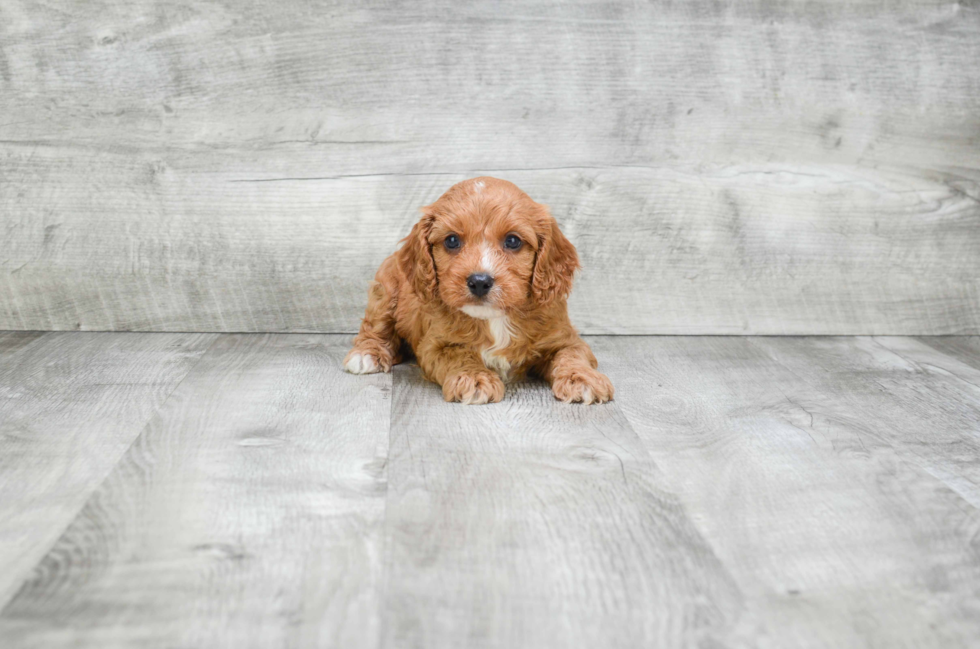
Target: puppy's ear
555, 262
415, 257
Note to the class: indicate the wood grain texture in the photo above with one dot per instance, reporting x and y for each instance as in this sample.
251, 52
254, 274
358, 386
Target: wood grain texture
740, 492
926, 404
533, 523
787, 167
11, 342
70, 406
965, 349
247, 513
813, 484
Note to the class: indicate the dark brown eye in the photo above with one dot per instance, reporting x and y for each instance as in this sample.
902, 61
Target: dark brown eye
512, 242
452, 242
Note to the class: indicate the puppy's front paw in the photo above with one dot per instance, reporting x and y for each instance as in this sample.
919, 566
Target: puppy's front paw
478, 388
362, 363
585, 386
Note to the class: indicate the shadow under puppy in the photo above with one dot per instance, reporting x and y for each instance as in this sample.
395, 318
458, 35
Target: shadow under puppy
479, 291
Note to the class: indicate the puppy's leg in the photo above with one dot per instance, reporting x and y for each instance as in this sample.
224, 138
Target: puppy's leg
573, 375
461, 373
376, 346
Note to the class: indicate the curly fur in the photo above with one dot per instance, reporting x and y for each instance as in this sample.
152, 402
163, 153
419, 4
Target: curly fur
468, 345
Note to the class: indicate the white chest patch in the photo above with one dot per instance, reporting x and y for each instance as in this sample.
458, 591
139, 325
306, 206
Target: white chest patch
500, 330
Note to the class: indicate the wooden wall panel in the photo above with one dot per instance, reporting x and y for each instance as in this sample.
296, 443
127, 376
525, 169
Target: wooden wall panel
758, 168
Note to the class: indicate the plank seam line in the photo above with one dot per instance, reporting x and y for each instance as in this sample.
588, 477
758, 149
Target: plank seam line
353, 332
928, 366
890, 443
5, 605
383, 590
444, 173
19, 352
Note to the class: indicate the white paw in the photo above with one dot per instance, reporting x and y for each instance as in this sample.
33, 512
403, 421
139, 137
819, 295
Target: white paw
361, 364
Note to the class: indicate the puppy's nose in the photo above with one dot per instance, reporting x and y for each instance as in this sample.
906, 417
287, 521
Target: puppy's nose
479, 284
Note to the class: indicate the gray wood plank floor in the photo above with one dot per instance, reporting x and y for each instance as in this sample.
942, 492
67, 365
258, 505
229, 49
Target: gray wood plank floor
70, 405
186, 490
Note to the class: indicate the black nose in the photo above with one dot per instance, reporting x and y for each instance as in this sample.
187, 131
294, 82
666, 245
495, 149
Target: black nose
479, 284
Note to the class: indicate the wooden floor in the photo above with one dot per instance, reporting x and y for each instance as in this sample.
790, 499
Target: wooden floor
201, 490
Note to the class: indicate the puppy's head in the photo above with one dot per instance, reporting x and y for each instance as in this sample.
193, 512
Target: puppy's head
485, 248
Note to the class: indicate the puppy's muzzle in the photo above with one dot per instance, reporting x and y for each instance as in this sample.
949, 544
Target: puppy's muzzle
479, 284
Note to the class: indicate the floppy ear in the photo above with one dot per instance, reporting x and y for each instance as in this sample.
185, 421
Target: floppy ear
415, 257
555, 262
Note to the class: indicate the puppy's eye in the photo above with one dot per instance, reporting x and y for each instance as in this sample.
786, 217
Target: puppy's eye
452, 242
512, 242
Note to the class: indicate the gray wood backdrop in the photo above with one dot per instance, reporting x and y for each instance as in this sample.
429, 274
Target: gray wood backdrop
753, 167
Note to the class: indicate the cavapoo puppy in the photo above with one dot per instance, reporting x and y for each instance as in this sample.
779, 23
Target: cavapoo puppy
478, 291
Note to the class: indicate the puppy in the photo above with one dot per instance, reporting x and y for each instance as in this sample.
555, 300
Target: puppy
478, 291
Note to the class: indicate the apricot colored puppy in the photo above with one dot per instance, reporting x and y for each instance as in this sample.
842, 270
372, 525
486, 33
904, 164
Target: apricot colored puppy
479, 291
